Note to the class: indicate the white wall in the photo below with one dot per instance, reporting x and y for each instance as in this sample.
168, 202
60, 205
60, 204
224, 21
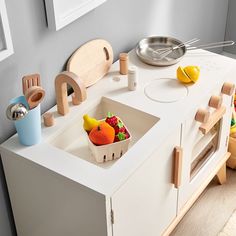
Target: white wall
122, 22
230, 33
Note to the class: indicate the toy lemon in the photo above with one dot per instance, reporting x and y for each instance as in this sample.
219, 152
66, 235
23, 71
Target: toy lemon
188, 74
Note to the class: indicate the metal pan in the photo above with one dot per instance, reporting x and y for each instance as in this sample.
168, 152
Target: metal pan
146, 46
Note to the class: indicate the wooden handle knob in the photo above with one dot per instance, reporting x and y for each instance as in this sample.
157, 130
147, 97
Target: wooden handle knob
202, 115
228, 88
215, 101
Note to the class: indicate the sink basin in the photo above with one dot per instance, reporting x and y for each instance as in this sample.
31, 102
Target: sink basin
73, 139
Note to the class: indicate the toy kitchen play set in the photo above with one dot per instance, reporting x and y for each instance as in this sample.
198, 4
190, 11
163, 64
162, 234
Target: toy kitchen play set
130, 150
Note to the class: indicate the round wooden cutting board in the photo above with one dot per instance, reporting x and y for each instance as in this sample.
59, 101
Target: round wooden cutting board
91, 61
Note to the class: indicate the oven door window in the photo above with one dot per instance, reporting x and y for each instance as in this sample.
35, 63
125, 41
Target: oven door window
205, 148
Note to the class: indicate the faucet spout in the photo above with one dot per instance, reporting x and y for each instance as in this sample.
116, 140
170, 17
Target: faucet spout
77, 85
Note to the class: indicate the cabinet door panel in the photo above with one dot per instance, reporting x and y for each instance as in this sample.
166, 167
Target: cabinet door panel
147, 203
196, 144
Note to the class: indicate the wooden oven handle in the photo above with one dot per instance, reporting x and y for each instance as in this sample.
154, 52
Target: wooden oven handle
214, 118
177, 170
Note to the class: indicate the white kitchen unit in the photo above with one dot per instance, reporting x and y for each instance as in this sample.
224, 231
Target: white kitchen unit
56, 188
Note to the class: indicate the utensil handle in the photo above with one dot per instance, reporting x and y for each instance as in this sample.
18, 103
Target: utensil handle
163, 51
212, 45
177, 170
186, 43
169, 51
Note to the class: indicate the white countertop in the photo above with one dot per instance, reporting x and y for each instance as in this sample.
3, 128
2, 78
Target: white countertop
215, 69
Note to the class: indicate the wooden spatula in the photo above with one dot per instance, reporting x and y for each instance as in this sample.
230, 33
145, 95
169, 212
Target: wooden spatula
30, 80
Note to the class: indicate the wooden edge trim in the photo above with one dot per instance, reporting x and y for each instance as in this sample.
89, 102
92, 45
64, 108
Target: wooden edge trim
194, 197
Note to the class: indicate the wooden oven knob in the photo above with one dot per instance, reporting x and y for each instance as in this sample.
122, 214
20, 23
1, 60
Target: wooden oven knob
228, 88
202, 115
215, 101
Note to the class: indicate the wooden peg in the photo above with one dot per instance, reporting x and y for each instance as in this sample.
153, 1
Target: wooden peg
228, 88
123, 63
48, 119
215, 101
202, 115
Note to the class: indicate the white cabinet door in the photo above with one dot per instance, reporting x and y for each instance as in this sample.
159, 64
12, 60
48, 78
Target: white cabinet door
202, 153
147, 202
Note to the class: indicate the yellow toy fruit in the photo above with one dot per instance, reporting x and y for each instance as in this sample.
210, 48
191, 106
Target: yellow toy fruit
233, 130
192, 72
182, 76
188, 74
90, 122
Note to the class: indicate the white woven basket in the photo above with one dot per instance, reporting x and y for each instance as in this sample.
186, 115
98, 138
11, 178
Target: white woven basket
111, 151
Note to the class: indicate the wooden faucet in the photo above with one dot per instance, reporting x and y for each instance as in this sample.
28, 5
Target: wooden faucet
77, 85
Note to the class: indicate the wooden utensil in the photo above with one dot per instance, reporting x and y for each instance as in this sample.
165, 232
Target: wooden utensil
29, 81
34, 95
91, 61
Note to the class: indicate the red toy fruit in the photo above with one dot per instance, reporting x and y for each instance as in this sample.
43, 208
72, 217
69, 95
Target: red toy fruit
119, 128
119, 137
111, 119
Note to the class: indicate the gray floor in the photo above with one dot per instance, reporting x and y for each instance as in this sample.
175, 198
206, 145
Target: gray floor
211, 211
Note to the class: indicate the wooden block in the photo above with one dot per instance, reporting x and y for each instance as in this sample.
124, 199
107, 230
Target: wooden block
77, 85
75, 100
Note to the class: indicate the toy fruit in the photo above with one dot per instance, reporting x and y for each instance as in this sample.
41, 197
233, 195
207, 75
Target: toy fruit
111, 119
119, 137
119, 128
233, 122
233, 130
90, 123
188, 74
102, 134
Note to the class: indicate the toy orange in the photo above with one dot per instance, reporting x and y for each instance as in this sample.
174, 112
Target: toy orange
102, 134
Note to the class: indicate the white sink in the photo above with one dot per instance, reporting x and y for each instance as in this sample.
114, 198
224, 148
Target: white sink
73, 139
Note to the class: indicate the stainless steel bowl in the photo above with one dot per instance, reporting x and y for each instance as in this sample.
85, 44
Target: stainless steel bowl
146, 47
16, 111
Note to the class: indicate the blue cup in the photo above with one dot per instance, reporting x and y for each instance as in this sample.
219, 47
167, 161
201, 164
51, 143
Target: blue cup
29, 127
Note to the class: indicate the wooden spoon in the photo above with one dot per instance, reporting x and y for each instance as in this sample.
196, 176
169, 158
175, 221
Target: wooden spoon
34, 95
